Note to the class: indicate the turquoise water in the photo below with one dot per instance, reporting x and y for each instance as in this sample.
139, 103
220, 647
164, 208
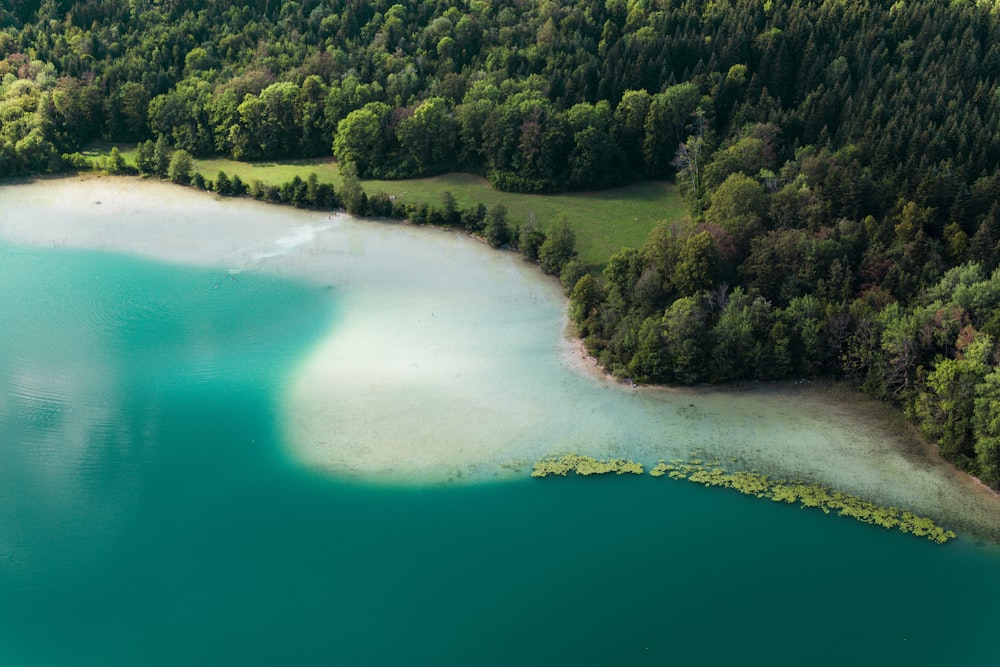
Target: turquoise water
150, 514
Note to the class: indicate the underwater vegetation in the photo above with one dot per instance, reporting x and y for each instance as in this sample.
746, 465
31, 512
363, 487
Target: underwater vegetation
584, 465
808, 494
758, 485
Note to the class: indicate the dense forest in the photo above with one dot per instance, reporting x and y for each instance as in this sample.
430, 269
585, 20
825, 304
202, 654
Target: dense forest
840, 158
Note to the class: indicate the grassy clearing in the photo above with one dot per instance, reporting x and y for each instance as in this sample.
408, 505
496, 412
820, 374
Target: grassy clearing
604, 221
274, 173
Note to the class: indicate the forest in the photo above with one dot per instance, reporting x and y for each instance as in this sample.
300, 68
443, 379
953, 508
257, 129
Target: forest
840, 159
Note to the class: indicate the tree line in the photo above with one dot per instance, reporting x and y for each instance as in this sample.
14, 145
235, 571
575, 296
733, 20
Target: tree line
554, 250
536, 96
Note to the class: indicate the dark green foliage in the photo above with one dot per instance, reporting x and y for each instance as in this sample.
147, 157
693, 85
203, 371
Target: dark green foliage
740, 339
685, 327
529, 239
473, 218
294, 192
364, 140
587, 294
496, 229
427, 138
351, 194
222, 183
571, 272
144, 158
237, 187
450, 214
946, 403
585, 95
161, 157
116, 163
698, 264
558, 249
986, 427
738, 205
181, 167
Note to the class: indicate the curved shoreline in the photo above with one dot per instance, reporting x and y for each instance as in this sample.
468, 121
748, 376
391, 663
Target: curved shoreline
780, 430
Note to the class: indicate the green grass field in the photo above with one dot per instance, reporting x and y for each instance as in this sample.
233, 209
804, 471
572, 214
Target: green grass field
604, 221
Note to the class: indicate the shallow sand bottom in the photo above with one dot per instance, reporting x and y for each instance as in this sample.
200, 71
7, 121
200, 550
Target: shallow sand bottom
446, 360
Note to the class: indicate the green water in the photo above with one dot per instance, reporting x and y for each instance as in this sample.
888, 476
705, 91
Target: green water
150, 515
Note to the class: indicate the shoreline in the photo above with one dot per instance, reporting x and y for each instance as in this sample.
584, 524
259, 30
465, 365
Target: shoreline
903, 435
499, 437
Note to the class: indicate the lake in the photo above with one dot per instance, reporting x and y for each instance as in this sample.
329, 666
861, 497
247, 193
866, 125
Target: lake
235, 433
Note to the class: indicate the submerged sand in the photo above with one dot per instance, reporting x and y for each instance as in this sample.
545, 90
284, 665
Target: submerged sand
448, 360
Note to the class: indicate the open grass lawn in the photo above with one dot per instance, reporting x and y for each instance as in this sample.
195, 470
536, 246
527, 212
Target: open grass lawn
604, 221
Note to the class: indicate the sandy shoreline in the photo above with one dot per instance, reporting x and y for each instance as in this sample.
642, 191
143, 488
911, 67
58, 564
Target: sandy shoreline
980, 516
453, 362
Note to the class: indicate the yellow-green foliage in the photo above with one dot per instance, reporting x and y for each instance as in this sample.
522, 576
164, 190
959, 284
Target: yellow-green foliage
584, 465
808, 495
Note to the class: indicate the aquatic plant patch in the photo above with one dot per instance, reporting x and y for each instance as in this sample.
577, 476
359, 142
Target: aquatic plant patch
754, 484
808, 494
584, 465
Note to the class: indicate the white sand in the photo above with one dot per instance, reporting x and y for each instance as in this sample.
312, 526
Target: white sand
449, 360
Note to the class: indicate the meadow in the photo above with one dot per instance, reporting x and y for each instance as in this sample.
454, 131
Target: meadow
604, 221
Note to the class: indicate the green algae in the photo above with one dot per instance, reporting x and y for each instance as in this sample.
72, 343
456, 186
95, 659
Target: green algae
807, 494
584, 465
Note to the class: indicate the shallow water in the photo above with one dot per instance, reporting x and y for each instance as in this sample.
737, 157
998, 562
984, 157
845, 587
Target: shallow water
162, 502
